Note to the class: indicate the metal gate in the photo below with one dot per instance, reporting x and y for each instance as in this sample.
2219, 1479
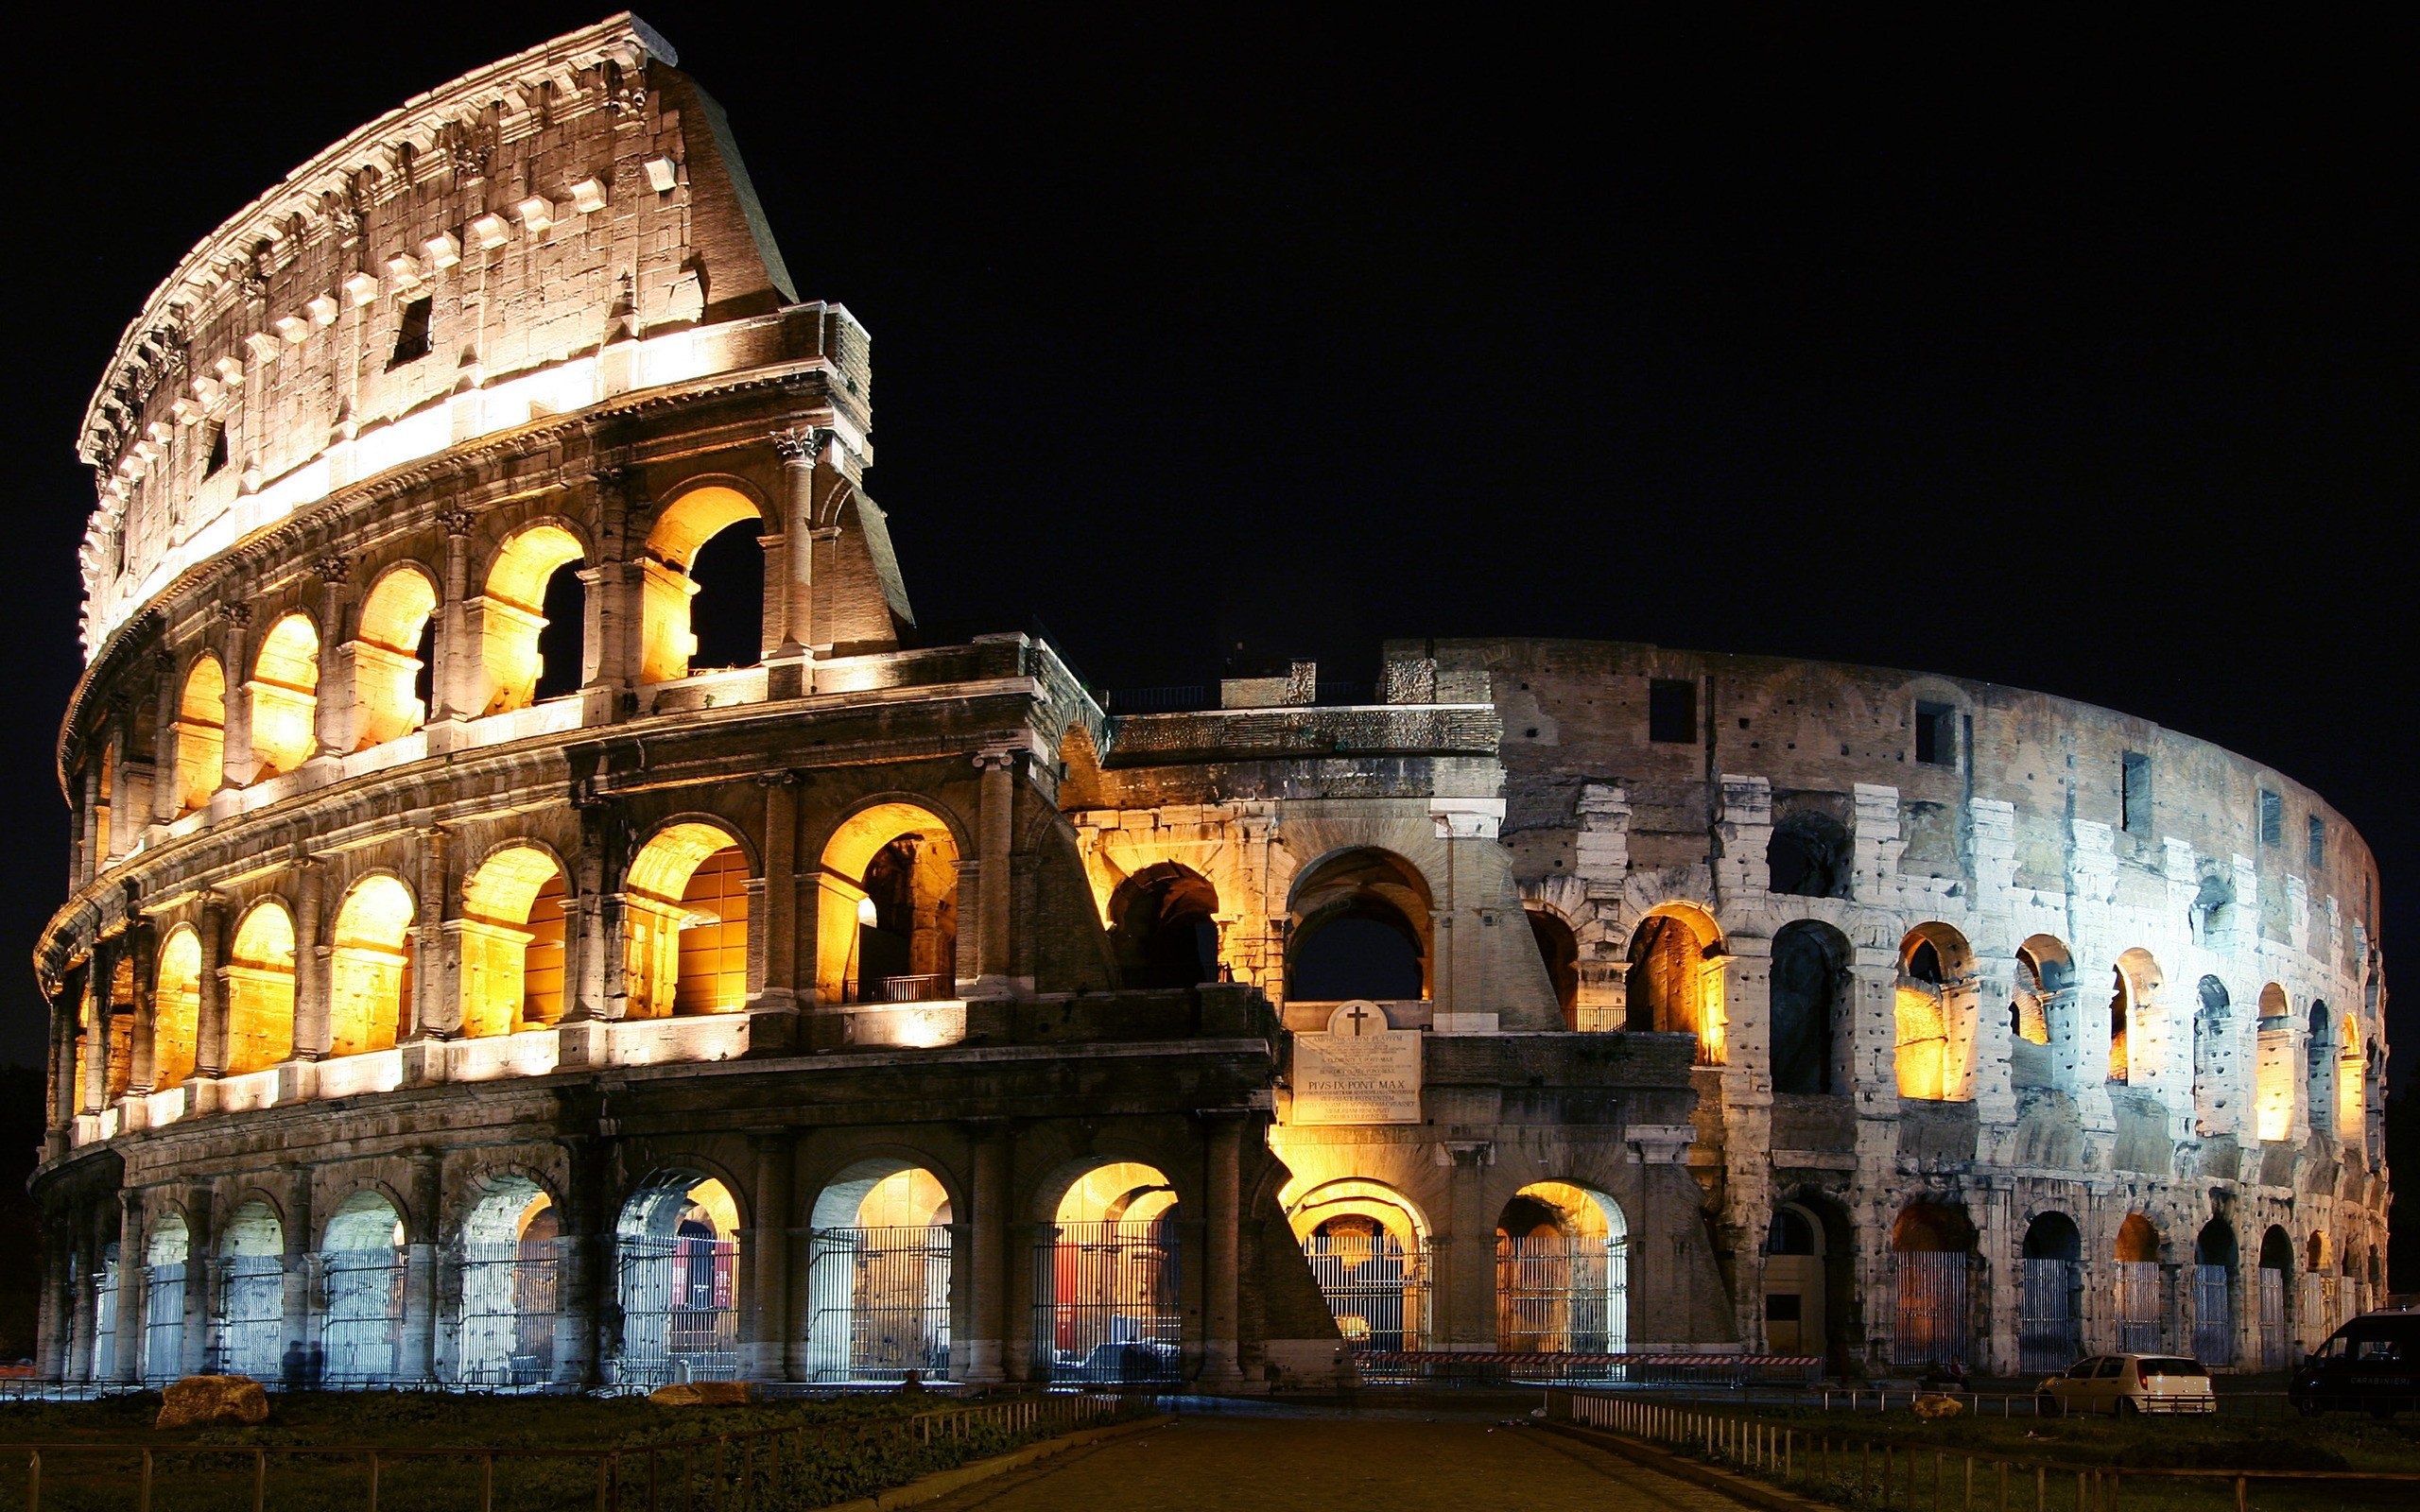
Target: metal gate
163, 1323
362, 1330
881, 1298
2137, 1311
1107, 1305
2214, 1314
1562, 1294
2276, 1350
2050, 1326
1931, 1308
252, 1315
680, 1318
1376, 1288
506, 1325
103, 1366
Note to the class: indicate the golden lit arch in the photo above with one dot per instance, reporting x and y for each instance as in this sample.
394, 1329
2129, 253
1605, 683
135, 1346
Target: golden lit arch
513, 610
1394, 1213
887, 907
686, 525
176, 1007
201, 734
370, 969
2275, 1075
686, 923
386, 657
512, 942
1127, 1194
1933, 1010
2352, 1103
260, 990
1675, 981
285, 694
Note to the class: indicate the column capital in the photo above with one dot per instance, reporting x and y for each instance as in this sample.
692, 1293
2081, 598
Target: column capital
800, 446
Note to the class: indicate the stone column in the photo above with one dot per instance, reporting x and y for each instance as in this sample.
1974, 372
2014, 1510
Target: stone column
583, 1266
1222, 1313
996, 960
167, 705
332, 721
987, 1258
799, 450
295, 1284
419, 1353
123, 826
779, 924
95, 1092
448, 685
83, 1289
200, 1276
612, 603
1466, 1254
436, 1013
58, 1299
236, 744
210, 1012
126, 1357
764, 1353
142, 1063
311, 1004
66, 1005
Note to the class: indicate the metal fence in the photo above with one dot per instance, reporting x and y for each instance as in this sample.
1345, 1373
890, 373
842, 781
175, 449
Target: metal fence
505, 1325
2214, 1314
881, 1300
1107, 1304
2138, 1309
163, 1323
362, 1330
680, 1318
250, 1316
1563, 1294
2049, 1321
1931, 1312
1376, 1288
2276, 1350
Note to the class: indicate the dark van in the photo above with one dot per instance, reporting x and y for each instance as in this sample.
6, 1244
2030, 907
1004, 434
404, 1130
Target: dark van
2370, 1364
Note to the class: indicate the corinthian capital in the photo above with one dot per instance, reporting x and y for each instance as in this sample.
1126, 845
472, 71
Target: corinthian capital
803, 445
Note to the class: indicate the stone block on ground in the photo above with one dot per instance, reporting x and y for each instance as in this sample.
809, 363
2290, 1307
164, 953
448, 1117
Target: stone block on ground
206, 1402
700, 1394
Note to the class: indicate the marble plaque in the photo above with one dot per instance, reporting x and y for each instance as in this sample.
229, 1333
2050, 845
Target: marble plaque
1362, 1070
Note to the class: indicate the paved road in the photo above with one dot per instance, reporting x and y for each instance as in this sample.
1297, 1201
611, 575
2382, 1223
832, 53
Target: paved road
1279, 1463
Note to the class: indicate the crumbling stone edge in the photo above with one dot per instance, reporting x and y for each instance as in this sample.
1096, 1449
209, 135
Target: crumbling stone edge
941, 1483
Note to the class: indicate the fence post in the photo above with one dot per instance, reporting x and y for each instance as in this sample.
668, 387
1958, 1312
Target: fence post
373, 1481
486, 1483
2242, 1494
260, 1479
33, 1482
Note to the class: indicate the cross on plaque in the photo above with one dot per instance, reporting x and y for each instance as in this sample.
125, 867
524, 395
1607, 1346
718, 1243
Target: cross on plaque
1356, 1014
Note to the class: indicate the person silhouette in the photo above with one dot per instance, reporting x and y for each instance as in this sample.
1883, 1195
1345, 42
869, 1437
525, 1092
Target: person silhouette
291, 1365
317, 1369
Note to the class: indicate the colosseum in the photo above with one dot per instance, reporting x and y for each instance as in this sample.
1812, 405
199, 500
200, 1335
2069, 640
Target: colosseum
462, 982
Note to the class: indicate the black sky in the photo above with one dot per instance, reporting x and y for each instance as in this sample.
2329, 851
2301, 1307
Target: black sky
2072, 357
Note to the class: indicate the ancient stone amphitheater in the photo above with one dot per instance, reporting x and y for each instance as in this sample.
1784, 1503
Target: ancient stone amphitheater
460, 982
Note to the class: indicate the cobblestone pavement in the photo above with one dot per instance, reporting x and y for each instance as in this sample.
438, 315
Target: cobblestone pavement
1278, 1463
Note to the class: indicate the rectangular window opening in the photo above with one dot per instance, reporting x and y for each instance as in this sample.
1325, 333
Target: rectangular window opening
2273, 819
411, 334
1672, 711
2318, 841
1936, 734
2134, 797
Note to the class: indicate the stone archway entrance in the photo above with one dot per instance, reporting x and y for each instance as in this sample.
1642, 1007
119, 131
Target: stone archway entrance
678, 1261
879, 1276
1107, 1303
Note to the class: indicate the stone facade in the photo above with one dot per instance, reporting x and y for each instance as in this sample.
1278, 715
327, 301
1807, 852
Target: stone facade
469, 985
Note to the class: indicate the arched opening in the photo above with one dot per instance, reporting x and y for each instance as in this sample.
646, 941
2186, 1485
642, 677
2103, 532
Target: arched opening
105, 1296
2351, 1112
248, 1328
176, 1007
686, 923
1674, 985
886, 910
1811, 989
511, 936
1930, 1244
878, 1277
1360, 923
201, 734
1810, 855
2320, 1070
2322, 1291
521, 619
682, 560
361, 1259
1108, 1301
504, 1320
2049, 1319
260, 990
285, 695
1163, 925
1936, 977
1560, 950
163, 1300
369, 968
2214, 1265
1368, 1248
390, 657
678, 1253
2133, 1038
2274, 1073
2277, 1268
1796, 1282
2041, 1009
1562, 1273
2136, 1308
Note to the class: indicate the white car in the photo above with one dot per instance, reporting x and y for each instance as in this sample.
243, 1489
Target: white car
2125, 1385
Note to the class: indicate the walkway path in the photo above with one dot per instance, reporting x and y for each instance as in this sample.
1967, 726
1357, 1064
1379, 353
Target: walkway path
1319, 1463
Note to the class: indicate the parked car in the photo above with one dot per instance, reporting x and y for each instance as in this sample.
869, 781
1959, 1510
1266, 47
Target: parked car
2124, 1385
2370, 1365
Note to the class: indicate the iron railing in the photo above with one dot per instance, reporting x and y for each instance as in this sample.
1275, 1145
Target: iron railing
1376, 1288
881, 1301
2214, 1314
1930, 1315
250, 1315
361, 1333
1563, 1295
2138, 1311
1107, 1305
680, 1312
2049, 1321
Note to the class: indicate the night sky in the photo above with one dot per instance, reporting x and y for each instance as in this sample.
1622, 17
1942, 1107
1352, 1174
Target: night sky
2078, 359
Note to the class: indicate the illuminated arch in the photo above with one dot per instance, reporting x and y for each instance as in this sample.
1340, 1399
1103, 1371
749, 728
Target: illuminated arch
677, 1245
1362, 927
1367, 1246
260, 988
250, 1317
504, 1316
2352, 1104
887, 907
2273, 1078
1561, 1272
691, 520
513, 610
370, 969
1674, 985
1362, 1197
511, 936
361, 1260
1112, 1303
1162, 925
1558, 951
879, 1278
201, 734
176, 1007
2133, 1025
386, 656
1933, 1013
285, 695
686, 923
